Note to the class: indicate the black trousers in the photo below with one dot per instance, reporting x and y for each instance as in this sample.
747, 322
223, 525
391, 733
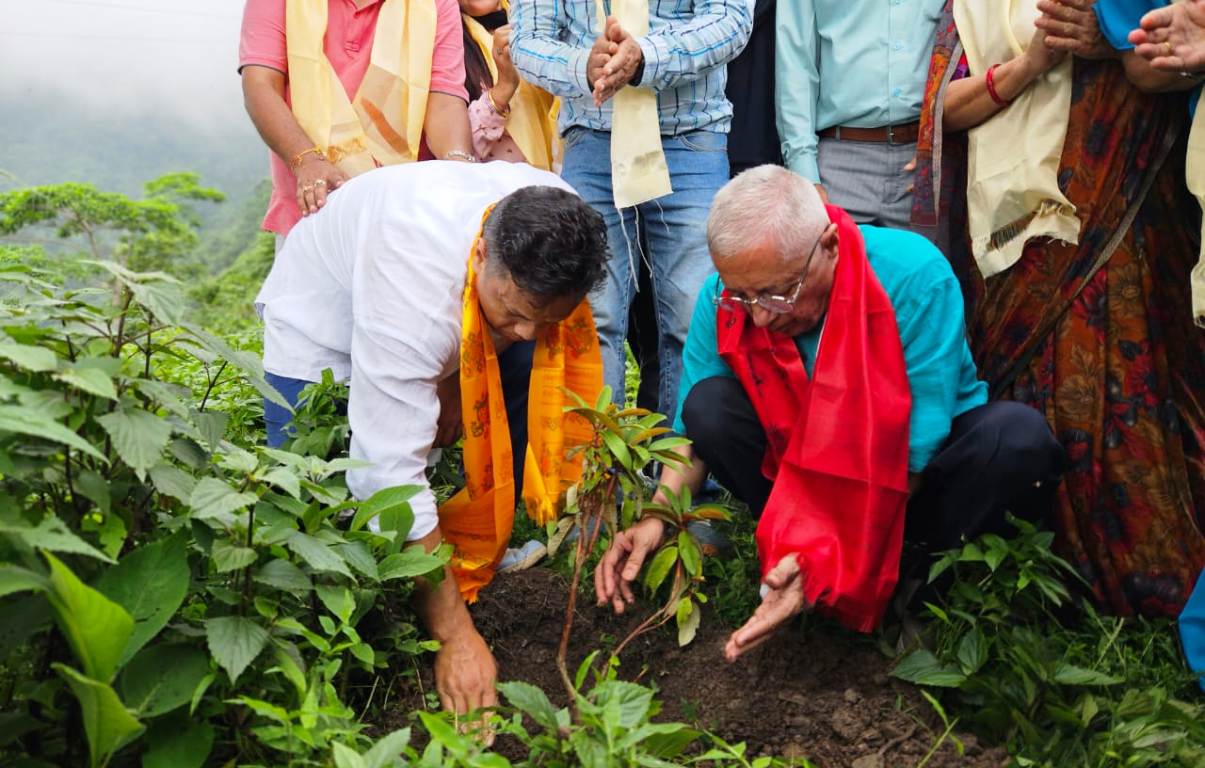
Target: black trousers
514, 366
1000, 457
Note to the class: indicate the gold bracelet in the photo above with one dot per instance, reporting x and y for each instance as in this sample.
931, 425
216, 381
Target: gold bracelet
489, 95
295, 163
459, 154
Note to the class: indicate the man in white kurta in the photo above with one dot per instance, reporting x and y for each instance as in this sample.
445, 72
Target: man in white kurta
372, 287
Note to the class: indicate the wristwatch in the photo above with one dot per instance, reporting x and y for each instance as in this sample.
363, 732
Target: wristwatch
638, 75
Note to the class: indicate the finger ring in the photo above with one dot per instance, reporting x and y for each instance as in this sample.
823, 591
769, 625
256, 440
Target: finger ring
1167, 46
320, 183
308, 188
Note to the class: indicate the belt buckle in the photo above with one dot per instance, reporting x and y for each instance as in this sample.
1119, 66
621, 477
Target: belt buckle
891, 134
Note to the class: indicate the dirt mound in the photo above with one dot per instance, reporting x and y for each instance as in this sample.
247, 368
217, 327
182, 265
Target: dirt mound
820, 694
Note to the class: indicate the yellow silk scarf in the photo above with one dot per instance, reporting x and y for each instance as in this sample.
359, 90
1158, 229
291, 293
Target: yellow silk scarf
478, 520
638, 169
1013, 192
1195, 173
532, 121
384, 125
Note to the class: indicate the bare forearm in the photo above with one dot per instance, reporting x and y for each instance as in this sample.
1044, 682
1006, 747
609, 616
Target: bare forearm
440, 606
1146, 78
691, 475
968, 102
264, 98
446, 125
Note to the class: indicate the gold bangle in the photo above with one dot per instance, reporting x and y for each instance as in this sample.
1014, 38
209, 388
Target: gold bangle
489, 95
295, 163
457, 154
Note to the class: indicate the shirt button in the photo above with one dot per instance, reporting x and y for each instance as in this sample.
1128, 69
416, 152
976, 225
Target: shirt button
896, 92
897, 45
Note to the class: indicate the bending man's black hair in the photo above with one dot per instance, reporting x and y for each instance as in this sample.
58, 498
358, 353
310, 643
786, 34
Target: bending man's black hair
549, 240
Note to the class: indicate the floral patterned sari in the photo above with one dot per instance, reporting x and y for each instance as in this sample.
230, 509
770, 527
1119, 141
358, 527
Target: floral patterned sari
1120, 374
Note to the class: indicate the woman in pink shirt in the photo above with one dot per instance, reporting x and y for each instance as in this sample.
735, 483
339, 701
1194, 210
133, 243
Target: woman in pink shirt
350, 30
489, 101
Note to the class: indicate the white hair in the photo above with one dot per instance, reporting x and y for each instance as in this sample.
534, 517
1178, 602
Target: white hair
765, 203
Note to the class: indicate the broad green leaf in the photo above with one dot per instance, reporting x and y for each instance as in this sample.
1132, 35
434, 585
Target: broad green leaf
395, 501
358, 557
96, 628
213, 499
228, 557
285, 480
264, 708
618, 448
688, 550
139, 437
94, 487
338, 601
212, 425
234, 641
317, 555
162, 678
1069, 674
237, 460
110, 529
183, 745
22, 421
283, 575
663, 561
158, 292
53, 535
173, 481
626, 704
107, 723
972, 651
14, 578
91, 380
666, 443
409, 563
31, 358
923, 668
688, 617
20, 619
150, 583
345, 757
532, 701
590, 752
387, 749
171, 396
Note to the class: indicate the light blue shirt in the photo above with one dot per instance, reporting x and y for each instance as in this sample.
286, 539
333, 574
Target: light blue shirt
859, 63
686, 54
928, 310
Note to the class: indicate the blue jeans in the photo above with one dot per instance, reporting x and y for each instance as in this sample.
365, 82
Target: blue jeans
670, 233
515, 367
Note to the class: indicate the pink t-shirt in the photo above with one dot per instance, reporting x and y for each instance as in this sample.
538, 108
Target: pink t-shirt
348, 46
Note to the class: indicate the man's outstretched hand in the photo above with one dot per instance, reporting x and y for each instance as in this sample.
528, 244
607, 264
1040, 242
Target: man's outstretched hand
622, 563
1172, 38
783, 601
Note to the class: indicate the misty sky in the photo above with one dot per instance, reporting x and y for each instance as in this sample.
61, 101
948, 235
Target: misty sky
176, 58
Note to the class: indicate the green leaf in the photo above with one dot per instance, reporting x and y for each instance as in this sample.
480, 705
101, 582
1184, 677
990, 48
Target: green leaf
356, 555
171, 746
173, 481
972, 652
248, 362
923, 668
212, 425
688, 618
138, 437
345, 757
618, 448
36, 359
107, 723
235, 641
52, 534
14, 578
170, 396
213, 499
338, 601
91, 380
392, 502
409, 563
150, 583
660, 567
626, 704
23, 421
666, 443
387, 749
688, 550
96, 628
317, 555
162, 678
532, 701
1069, 674
283, 575
229, 557
285, 480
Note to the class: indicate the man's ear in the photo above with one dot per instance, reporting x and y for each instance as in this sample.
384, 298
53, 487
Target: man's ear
480, 254
829, 239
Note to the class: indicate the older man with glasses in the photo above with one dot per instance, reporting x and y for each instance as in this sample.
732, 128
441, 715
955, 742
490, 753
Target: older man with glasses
828, 384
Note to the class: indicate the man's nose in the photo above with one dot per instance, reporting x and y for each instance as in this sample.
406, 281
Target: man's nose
525, 331
761, 317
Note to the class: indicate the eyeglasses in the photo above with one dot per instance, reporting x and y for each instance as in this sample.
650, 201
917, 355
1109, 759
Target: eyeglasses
772, 303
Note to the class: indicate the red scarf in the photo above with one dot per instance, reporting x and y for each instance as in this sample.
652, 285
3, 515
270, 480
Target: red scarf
837, 444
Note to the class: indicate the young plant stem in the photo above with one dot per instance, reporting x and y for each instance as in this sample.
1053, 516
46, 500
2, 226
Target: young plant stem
659, 617
212, 383
589, 524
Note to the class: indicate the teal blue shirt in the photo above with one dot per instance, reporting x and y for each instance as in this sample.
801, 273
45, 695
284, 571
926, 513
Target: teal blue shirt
929, 312
860, 63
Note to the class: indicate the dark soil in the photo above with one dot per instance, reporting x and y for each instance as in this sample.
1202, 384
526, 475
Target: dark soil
823, 694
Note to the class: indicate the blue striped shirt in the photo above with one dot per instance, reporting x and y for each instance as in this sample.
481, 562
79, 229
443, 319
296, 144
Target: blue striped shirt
686, 53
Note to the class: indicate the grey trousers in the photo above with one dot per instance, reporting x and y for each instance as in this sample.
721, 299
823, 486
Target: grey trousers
868, 180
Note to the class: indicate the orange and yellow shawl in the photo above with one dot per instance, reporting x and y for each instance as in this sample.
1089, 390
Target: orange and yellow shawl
477, 521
